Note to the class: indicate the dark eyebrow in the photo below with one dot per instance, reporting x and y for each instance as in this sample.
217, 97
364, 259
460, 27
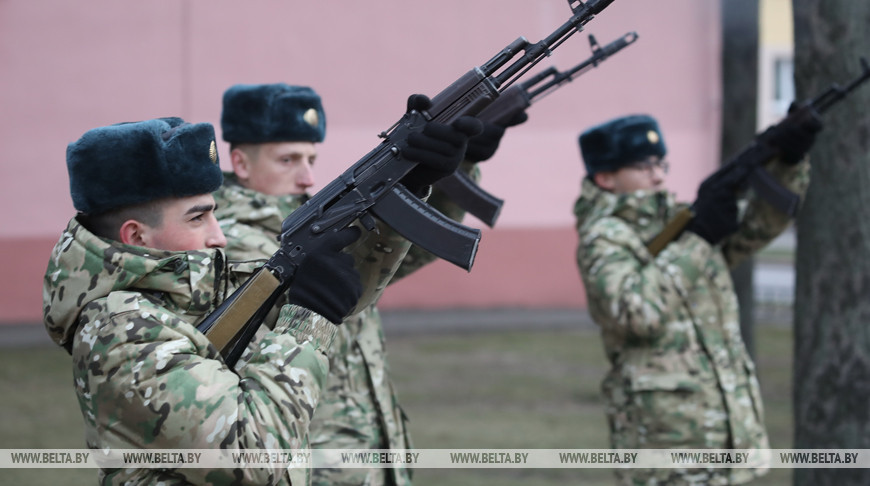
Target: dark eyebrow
201, 208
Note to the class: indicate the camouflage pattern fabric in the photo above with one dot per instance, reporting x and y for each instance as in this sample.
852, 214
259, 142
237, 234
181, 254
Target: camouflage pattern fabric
147, 379
680, 374
359, 408
251, 220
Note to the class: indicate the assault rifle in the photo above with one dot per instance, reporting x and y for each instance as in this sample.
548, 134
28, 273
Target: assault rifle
371, 187
458, 186
746, 169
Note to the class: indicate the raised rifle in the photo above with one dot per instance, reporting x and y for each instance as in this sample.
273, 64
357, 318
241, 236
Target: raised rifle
372, 187
458, 186
746, 169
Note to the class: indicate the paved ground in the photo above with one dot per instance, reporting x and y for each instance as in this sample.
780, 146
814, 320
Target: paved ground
773, 287
774, 282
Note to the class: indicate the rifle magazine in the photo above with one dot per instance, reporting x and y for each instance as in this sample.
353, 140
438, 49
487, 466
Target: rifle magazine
428, 228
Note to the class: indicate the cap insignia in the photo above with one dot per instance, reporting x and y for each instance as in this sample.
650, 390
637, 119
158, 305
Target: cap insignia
311, 117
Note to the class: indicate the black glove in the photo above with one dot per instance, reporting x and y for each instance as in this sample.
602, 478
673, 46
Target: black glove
715, 213
326, 281
483, 146
438, 148
794, 138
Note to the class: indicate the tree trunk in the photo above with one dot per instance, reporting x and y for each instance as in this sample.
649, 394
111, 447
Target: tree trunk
740, 95
832, 304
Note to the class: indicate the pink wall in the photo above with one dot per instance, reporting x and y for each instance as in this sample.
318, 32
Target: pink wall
66, 67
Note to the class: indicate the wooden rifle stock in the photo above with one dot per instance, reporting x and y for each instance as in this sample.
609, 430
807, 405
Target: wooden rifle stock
672, 230
227, 326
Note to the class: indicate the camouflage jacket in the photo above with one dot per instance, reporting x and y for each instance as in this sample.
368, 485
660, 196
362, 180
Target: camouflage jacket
680, 374
360, 407
147, 379
251, 220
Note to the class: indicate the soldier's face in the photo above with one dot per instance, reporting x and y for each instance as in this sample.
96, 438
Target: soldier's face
278, 169
646, 174
188, 224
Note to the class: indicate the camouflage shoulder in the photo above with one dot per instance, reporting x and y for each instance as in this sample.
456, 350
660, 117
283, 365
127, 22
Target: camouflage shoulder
246, 242
122, 315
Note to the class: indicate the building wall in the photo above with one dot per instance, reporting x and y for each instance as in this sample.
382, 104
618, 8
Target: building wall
775, 61
66, 67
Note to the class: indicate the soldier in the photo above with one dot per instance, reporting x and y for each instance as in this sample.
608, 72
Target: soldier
680, 374
272, 130
134, 272
140, 265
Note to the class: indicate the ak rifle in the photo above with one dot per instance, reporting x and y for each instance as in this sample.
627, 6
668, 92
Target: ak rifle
372, 188
459, 187
747, 168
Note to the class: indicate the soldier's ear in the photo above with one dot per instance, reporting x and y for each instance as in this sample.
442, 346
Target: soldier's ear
241, 164
604, 180
134, 233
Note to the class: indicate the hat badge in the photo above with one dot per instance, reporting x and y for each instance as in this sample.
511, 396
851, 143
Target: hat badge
212, 152
652, 136
310, 116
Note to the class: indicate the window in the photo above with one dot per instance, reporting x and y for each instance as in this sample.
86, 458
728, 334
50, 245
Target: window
783, 84
775, 83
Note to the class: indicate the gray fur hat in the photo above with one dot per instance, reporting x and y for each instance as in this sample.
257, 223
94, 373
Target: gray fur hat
619, 142
132, 163
263, 113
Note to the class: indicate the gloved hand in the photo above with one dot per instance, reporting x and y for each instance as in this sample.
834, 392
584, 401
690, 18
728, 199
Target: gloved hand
326, 281
438, 148
715, 213
483, 146
794, 139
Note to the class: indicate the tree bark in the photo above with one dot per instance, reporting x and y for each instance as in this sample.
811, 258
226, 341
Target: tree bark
832, 304
739, 122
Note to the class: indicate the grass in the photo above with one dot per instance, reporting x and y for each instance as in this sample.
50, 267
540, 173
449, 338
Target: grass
500, 390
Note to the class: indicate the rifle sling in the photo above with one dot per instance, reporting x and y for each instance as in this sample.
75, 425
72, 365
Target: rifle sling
228, 326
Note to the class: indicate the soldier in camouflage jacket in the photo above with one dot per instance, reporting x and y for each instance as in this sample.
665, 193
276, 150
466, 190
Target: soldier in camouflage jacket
145, 377
680, 374
359, 408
